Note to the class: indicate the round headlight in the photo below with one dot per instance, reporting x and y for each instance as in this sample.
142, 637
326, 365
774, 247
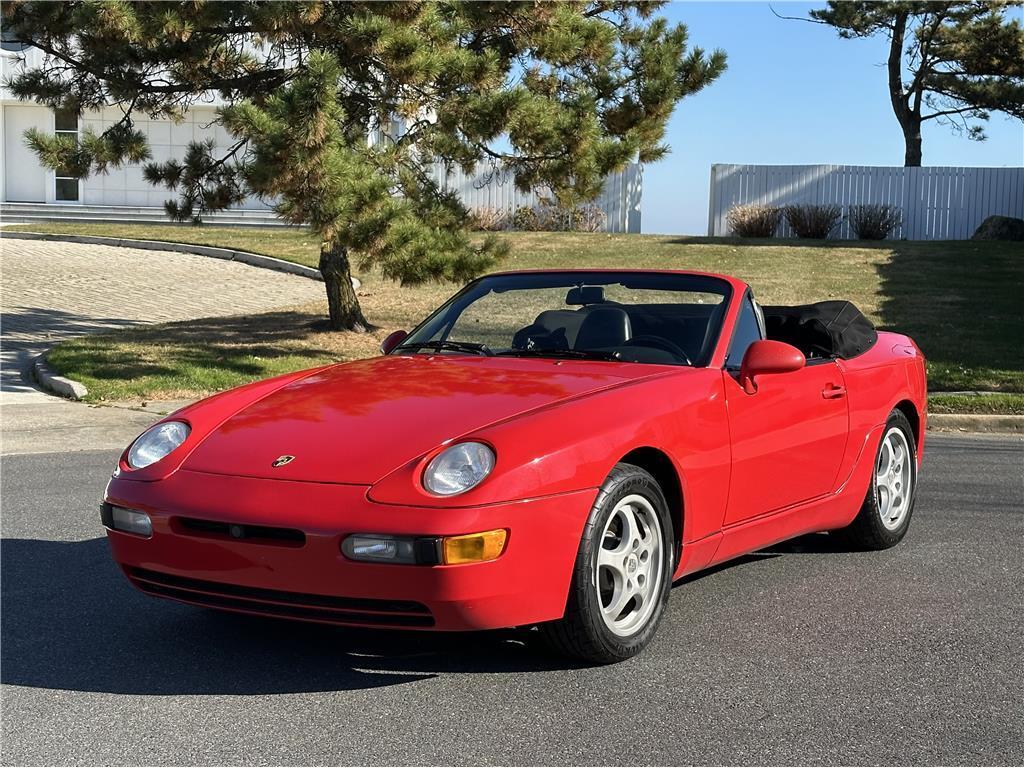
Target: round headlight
156, 442
458, 468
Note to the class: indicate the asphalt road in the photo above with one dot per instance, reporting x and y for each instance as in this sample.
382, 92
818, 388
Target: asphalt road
800, 655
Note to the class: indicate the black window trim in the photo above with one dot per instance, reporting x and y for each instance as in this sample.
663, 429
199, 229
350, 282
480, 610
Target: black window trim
748, 295
723, 285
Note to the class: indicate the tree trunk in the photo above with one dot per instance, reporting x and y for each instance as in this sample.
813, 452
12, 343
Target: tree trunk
912, 138
908, 116
342, 302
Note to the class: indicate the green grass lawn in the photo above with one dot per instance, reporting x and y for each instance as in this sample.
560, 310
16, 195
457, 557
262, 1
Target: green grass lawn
961, 302
986, 403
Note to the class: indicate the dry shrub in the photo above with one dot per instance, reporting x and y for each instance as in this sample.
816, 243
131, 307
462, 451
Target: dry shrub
754, 220
813, 221
873, 221
488, 219
590, 218
549, 217
582, 218
526, 219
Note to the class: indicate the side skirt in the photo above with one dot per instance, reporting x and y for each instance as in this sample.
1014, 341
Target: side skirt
825, 513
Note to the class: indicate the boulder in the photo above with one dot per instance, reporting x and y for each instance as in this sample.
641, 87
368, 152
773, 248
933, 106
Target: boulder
1000, 228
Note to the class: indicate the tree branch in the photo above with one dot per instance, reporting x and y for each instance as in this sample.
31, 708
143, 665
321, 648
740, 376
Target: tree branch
267, 78
515, 158
894, 65
927, 64
797, 18
945, 112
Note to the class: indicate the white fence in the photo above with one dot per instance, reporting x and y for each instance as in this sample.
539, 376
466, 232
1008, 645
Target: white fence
937, 203
495, 188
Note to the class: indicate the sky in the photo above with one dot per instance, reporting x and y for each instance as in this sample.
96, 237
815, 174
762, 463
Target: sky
794, 93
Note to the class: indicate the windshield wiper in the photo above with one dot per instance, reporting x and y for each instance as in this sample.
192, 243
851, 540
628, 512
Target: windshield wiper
582, 354
456, 346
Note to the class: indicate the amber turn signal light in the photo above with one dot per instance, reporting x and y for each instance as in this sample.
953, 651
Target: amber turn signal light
474, 547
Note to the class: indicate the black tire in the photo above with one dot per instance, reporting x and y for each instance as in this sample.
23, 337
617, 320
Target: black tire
583, 633
867, 531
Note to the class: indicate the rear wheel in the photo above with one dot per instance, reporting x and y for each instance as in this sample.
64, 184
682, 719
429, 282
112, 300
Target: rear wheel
884, 517
623, 572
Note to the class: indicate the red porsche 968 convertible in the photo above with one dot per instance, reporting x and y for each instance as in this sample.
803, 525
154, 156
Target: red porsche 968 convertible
548, 448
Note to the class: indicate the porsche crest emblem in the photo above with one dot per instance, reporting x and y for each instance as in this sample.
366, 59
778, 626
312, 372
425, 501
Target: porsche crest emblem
280, 461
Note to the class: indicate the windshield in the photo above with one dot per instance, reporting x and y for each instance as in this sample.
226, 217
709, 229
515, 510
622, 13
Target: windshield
665, 319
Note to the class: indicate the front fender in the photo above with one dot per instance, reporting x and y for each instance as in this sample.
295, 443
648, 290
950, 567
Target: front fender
203, 417
573, 446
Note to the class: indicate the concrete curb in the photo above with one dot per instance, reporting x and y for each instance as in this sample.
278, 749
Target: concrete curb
245, 257
59, 385
976, 422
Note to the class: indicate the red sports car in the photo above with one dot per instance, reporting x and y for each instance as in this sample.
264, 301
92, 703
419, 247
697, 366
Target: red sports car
548, 448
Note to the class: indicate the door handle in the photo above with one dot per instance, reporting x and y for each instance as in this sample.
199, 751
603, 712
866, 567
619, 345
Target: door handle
831, 392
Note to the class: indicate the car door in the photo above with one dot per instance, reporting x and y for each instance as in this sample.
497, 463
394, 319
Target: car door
789, 437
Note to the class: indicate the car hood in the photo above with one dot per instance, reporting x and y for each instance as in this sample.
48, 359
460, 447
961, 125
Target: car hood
357, 422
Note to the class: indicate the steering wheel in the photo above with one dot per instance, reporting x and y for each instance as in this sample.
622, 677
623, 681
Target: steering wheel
663, 344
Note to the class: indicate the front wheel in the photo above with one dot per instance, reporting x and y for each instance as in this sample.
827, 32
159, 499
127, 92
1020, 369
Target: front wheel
884, 517
623, 572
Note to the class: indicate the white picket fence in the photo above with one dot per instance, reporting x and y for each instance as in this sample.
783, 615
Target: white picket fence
490, 187
937, 203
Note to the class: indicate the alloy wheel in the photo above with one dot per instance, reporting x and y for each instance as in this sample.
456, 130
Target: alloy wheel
894, 478
629, 565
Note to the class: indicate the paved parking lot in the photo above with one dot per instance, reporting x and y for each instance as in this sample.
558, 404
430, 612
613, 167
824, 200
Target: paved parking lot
799, 655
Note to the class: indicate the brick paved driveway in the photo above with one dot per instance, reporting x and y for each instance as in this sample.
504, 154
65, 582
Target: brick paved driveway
53, 291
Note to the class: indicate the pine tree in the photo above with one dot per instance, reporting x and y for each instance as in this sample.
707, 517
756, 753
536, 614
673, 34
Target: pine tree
559, 93
953, 62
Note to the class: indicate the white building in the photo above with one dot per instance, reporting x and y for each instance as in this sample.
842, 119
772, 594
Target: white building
31, 191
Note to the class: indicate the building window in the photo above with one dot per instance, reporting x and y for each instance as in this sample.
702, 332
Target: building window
9, 42
66, 186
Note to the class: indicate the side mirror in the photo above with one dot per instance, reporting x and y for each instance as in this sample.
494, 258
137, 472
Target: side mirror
392, 341
768, 357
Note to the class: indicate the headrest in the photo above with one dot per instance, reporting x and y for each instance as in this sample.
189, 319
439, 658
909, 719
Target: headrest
603, 327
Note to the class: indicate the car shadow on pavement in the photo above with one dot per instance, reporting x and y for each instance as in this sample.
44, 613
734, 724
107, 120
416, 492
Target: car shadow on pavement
808, 544
71, 621
811, 544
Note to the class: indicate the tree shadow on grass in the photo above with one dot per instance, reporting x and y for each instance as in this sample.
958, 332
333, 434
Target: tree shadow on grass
963, 308
239, 345
72, 622
267, 330
28, 331
961, 301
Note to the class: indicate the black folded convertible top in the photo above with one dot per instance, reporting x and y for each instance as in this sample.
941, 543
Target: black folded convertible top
824, 329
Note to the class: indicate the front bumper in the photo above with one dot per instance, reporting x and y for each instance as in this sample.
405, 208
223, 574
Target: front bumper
307, 578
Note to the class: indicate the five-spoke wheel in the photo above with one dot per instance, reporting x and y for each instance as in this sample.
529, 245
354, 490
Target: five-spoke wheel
623, 571
629, 564
885, 514
893, 474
